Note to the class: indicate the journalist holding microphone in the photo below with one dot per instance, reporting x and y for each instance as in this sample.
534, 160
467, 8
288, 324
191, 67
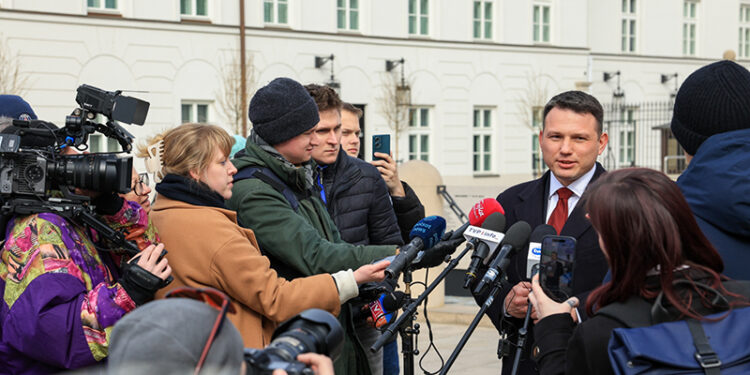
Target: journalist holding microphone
655, 251
209, 249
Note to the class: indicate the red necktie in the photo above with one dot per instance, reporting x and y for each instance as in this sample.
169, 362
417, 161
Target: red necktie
560, 214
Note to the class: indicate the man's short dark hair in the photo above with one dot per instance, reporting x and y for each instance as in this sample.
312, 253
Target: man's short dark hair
351, 108
578, 102
325, 97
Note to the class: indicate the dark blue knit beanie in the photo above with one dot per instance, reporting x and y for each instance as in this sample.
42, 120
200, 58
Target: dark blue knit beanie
15, 107
282, 110
714, 99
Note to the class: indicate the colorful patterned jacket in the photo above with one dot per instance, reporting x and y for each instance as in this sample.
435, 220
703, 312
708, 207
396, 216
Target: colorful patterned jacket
60, 295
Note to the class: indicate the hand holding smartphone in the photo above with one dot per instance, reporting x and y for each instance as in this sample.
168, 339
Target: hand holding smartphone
381, 143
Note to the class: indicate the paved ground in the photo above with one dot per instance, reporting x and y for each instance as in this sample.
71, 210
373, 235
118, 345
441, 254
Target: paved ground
478, 357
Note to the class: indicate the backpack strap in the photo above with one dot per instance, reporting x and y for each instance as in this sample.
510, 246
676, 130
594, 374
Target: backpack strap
266, 175
704, 353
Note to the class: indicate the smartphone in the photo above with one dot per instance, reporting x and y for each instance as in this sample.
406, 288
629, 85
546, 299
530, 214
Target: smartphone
381, 143
556, 266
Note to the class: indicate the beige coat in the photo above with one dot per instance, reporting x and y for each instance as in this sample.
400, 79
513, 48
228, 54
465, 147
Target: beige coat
206, 248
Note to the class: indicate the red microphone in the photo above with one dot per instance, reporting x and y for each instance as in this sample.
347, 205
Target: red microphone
483, 209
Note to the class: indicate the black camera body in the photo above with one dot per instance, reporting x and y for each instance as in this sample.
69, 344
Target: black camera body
313, 330
37, 176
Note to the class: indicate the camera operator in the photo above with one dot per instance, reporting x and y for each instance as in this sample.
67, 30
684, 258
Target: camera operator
61, 294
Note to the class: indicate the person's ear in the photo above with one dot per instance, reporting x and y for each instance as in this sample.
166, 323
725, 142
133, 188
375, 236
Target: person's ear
195, 175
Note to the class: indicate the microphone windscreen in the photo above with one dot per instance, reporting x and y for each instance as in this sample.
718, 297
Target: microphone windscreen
429, 229
494, 222
483, 209
517, 235
542, 231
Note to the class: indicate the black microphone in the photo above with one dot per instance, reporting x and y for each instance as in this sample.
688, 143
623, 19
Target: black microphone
535, 246
516, 238
481, 241
425, 234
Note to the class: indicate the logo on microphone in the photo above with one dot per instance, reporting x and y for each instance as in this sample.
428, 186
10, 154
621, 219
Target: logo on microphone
536, 251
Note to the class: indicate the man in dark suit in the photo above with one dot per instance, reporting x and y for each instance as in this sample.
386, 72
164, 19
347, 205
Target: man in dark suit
570, 140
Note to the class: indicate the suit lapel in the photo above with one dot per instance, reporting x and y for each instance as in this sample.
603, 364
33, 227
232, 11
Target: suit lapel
533, 201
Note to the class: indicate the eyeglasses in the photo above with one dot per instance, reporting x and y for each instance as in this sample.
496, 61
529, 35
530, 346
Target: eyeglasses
213, 298
140, 186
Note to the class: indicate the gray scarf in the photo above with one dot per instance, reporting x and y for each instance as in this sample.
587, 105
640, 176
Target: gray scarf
307, 166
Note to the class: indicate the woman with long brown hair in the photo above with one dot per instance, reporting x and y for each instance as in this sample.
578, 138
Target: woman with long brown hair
650, 239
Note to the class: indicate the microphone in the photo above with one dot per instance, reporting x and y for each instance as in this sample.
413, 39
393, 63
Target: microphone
481, 211
484, 240
425, 234
535, 246
516, 238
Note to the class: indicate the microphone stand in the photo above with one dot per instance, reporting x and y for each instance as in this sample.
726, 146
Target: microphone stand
496, 287
522, 333
406, 330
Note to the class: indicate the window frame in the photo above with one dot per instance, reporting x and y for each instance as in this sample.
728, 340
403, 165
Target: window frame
194, 10
629, 26
418, 15
481, 22
538, 26
275, 12
537, 124
347, 10
194, 110
102, 9
484, 154
420, 131
690, 18
743, 50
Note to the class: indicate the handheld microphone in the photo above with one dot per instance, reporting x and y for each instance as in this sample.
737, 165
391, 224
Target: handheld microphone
481, 211
535, 246
484, 241
425, 234
516, 238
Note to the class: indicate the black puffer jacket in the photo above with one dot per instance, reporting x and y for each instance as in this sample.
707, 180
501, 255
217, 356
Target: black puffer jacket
357, 200
409, 211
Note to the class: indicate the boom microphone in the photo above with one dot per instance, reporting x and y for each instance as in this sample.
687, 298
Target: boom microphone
425, 234
516, 238
535, 246
481, 240
481, 211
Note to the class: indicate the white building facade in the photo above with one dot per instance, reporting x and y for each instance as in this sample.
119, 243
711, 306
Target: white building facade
477, 69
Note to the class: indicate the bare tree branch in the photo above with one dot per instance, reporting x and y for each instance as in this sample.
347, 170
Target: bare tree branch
12, 80
394, 106
533, 96
230, 97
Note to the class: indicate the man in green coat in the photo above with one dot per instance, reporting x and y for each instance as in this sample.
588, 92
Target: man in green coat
275, 197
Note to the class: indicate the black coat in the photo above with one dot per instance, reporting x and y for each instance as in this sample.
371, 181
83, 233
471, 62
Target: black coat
409, 211
357, 200
527, 202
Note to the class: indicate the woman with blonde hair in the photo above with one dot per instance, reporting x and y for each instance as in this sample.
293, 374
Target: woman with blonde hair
207, 248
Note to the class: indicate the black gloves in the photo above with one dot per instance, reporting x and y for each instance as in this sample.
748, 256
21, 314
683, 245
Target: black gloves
140, 284
434, 256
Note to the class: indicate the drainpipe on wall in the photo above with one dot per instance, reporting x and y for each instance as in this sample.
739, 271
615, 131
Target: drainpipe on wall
243, 69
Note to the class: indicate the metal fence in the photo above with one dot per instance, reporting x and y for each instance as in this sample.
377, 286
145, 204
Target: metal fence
639, 136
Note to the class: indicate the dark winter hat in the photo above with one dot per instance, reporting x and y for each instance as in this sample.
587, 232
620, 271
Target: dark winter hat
167, 337
15, 107
714, 99
282, 110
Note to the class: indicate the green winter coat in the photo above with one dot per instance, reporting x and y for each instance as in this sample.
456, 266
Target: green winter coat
305, 241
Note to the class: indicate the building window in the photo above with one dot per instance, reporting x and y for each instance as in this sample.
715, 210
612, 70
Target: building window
102, 4
541, 23
626, 138
744, 30
195, 112
100, 143
689, 25
537, 162
419, 19
419, 133
482, 140
628, 26
347, 14
483, 19
275, 11
193, 8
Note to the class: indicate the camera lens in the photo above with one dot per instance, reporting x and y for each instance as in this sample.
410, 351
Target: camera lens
97, 172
